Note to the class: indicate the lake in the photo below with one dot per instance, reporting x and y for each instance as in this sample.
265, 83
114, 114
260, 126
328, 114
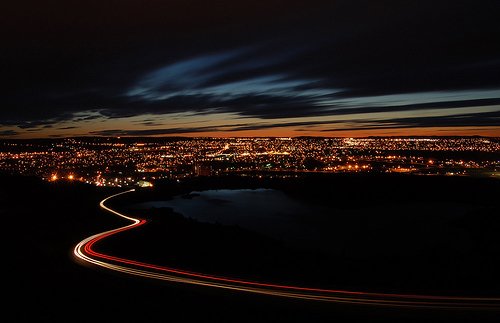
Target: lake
328, 227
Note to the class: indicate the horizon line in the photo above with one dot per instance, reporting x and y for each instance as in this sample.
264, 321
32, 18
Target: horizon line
246, 137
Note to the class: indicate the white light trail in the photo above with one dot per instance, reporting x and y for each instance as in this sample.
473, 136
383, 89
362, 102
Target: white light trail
84, 251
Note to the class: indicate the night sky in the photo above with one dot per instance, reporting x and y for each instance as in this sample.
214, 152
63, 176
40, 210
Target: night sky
250, 68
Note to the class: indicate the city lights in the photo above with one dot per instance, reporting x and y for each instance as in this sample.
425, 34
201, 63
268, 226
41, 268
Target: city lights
125, 163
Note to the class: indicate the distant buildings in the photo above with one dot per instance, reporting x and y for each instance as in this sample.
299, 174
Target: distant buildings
126, 162
144, 184
202, 169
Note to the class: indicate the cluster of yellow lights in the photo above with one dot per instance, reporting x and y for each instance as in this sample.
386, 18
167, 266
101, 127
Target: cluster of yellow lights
55, 177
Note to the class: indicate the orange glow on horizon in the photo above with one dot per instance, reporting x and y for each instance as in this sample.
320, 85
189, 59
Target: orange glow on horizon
289, 132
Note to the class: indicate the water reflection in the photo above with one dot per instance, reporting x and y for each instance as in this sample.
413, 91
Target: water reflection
334, 227
266, 211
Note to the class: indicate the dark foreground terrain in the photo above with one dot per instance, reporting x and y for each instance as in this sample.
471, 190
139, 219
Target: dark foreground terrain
43, 222
411, 234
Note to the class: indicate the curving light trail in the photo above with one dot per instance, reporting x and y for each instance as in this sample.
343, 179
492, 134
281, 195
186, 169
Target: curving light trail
85, 252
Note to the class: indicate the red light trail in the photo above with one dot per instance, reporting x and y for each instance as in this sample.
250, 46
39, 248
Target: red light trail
85, 252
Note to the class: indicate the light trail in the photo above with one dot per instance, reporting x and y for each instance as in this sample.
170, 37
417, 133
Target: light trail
84, 251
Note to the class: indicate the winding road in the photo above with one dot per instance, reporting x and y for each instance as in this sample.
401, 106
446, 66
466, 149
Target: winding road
84, 251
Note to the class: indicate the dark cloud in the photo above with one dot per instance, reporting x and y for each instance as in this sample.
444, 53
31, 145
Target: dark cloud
459, 120
282, 125
67, 61
152, 132
150, 123
7, 133
165, 131
67, 128
480, 119
417, 107
35, 124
